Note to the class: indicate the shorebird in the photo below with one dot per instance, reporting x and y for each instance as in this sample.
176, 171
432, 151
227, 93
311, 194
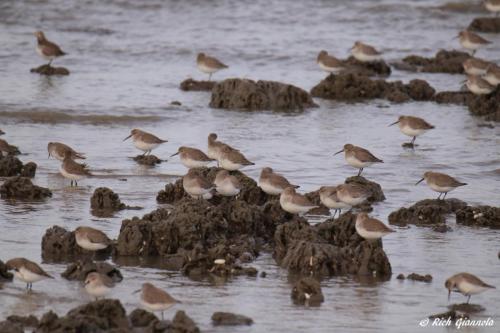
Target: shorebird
192, 157
215, 147
91, 239
195, 185
358, 157
59, 150
352, 194
370, 228
475, 66
47, 49
156, 299
412, 126
492, 75
273, 183
329, 63
295, 203
466, 284
492, 6
478, 86
471, 41
328, 197
226, 184
98, 285
208, 65
73, 170
27, 271
365, 53
5, 147
231, 159
440, 182
144, 141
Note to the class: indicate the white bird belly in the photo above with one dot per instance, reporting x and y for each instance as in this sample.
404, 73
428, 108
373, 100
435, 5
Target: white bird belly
407, 130
471, 46
41, 54
68, 175
332, 204
97, 291
269, 189
191, 164
475, 89
329, 69
369, 234
141, 145
156, 306
28, 276
492, 8
206, 69
227, 189
441, 189
363, 57
492, 79
87, 245
228, 165
470, 289
354, 162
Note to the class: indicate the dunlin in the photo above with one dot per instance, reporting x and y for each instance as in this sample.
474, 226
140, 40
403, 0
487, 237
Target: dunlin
6, 148
412, 126
478, 85
492, 6
73, 170
195, 185
208, 65
273, 183
328, 197
59, 150
295, 203
365, 53
98, 285
27, 271
329, 63
492, 75
226, 184
192, 157
358, 157
91, 239
466, 284
156, 299
47, 49
231, 159
215, 147
370, 228
440, 182
471, 41
352, 194
144, 141
475, 66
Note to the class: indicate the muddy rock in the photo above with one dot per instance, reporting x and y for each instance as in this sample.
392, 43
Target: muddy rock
481, 216
485, 24
329, 248
10, 166
443, 62
416, 277
307, 291
183, 324
28, 321
49, 70
380, 68
355, 87
22, 188
377, 194
466, 307
81, 268
246, 94
453, 97
486, 105
5, 275
230, 319
142, 318
59, 245
7, 326
427, 212
150, 160
451, 315
193, 85
105, 199
29, 170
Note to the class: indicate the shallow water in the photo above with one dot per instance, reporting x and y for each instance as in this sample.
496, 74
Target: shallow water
127, 59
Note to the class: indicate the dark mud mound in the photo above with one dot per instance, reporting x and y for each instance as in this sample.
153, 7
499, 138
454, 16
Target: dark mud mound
8, 326
486, 105
485, 24
193, 85
443, 62
453, 97
429, 212
249, 95
5, 275
307, 290
22, 188
59, 245
230, 319
416, 277
104, 202
329, 248
251, 192
377, 194
380, 68
29, 170
150, 160
355, 87
81, 268
10, 166
480, 216
49, 70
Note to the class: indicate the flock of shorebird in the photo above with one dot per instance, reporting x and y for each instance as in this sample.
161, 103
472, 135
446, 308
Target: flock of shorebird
483, 77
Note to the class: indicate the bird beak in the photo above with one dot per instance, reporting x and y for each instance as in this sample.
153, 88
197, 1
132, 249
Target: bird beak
174, 154
449, 293
127, 137
338, 152
419, 181
135, 292
394, 123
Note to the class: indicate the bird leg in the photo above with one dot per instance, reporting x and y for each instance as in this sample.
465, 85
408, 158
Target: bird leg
50, 61
209, 76
473, 52
413, 140
445, 193
360, 171
162, 316
439, 196
468, 299
71, 184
